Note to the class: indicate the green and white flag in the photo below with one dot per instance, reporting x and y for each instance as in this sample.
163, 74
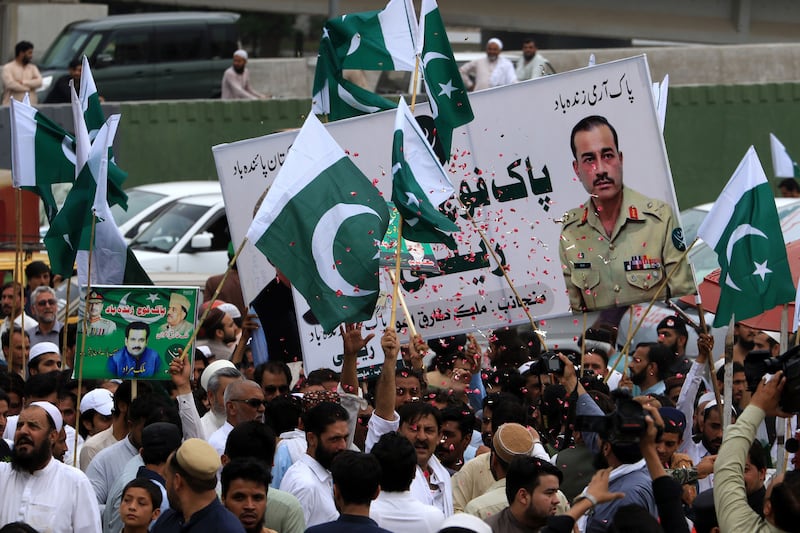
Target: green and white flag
419, 183
321, 224
43, 154
373, 40
782, 163
448, 97
744, 229
90, 100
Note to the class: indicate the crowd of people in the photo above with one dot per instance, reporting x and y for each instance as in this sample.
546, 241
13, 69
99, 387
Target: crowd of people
454, 436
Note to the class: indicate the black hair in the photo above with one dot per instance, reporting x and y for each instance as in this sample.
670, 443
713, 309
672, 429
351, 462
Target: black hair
506, 412
659, 354
148, 485
461, 416
273, 367
737, 368
321, 376
74, 63
634, 519
524, 473
756, 455
247, 468
41, 385
251, 439
283, 412
123, 393
789, 184
511, 349
17, 527
212, 323
412, 412
318, 418
5, 339
154, 408
785, 499
357, 476
36, 268
138, 325
22, 46
71, 332
587, 124
398, 461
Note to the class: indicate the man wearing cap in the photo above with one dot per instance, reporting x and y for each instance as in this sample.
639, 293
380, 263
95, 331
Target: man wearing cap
191, 476
769, 341
97, 324
177, 327
44, 357
244, 402
509, 442
236, 80
159, 440
38, 489
135, 359
490, 71
45, 305
215, 379
96, 408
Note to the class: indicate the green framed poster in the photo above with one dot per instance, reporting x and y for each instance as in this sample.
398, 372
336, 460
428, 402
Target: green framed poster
134, 332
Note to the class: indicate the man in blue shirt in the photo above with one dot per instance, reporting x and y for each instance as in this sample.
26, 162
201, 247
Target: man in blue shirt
135, 360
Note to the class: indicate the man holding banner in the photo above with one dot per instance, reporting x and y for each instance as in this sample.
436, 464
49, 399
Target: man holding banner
618, 246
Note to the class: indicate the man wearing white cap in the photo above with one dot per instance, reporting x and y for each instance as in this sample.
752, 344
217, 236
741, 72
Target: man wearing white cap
236, 80
44, 357
96, 408
41, 491
214, 380
490, 71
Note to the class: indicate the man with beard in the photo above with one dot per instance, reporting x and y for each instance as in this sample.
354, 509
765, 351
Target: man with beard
44, 304
629, 474
618, 245
489, 71
648, 368
236, 80
309, 479
38, 489
20, 76
739, 384
745, 341
218, 331
135, 359
215, 379
191, 476
11, 305
710, 440
245, 483
457, 424
672, 333
532, 64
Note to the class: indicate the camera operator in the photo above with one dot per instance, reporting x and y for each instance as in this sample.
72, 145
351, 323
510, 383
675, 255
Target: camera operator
629, 473
782, 498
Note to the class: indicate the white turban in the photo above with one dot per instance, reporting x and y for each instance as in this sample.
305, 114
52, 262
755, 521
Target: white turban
243, 54
496, 41
53, 411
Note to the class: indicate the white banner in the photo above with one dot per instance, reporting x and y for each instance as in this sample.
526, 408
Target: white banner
512, 165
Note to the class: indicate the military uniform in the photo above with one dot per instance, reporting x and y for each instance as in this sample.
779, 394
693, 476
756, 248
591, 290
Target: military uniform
102, 326
627, 267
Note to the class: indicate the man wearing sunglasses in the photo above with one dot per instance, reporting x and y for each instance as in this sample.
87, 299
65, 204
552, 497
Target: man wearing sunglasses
44, 306
244, 402
274, 377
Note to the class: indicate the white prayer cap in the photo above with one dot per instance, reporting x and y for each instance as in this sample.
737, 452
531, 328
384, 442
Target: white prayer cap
212, 369
241, 53
719, 363
496, 41
231, 309
774, 335
466, 522
41, 348
53, 411
205, 350
707, 397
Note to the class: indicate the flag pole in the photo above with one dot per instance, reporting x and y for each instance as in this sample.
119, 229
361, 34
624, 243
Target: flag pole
519, 300
583, 345
658, 293
620, 354
213, 297
66, 319
82, 353
18, 275
411, 328
396, 277
710, 360
414, 86
726, 406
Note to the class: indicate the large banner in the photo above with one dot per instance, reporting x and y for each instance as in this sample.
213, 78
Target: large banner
134, 332
512, 169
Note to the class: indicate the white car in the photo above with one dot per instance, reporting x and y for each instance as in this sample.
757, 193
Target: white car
190, 235
146, 202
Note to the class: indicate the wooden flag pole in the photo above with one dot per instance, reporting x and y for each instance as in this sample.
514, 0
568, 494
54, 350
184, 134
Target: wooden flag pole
192, 338
66, 321
401, 299
728, 393
620, 354
710, 360
82, 354
414, 86
396, 277
583, 346
18, 261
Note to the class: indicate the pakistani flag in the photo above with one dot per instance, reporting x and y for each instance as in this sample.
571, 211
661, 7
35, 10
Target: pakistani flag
321, 224
743, 228
43, 154
374, 40
90, 100
419, 184
782, 163
448, 97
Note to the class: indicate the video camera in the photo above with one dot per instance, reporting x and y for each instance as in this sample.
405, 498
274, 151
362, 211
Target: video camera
625, 425
758, 363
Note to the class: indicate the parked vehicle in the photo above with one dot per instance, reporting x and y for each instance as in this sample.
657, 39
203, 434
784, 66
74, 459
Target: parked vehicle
150, 56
